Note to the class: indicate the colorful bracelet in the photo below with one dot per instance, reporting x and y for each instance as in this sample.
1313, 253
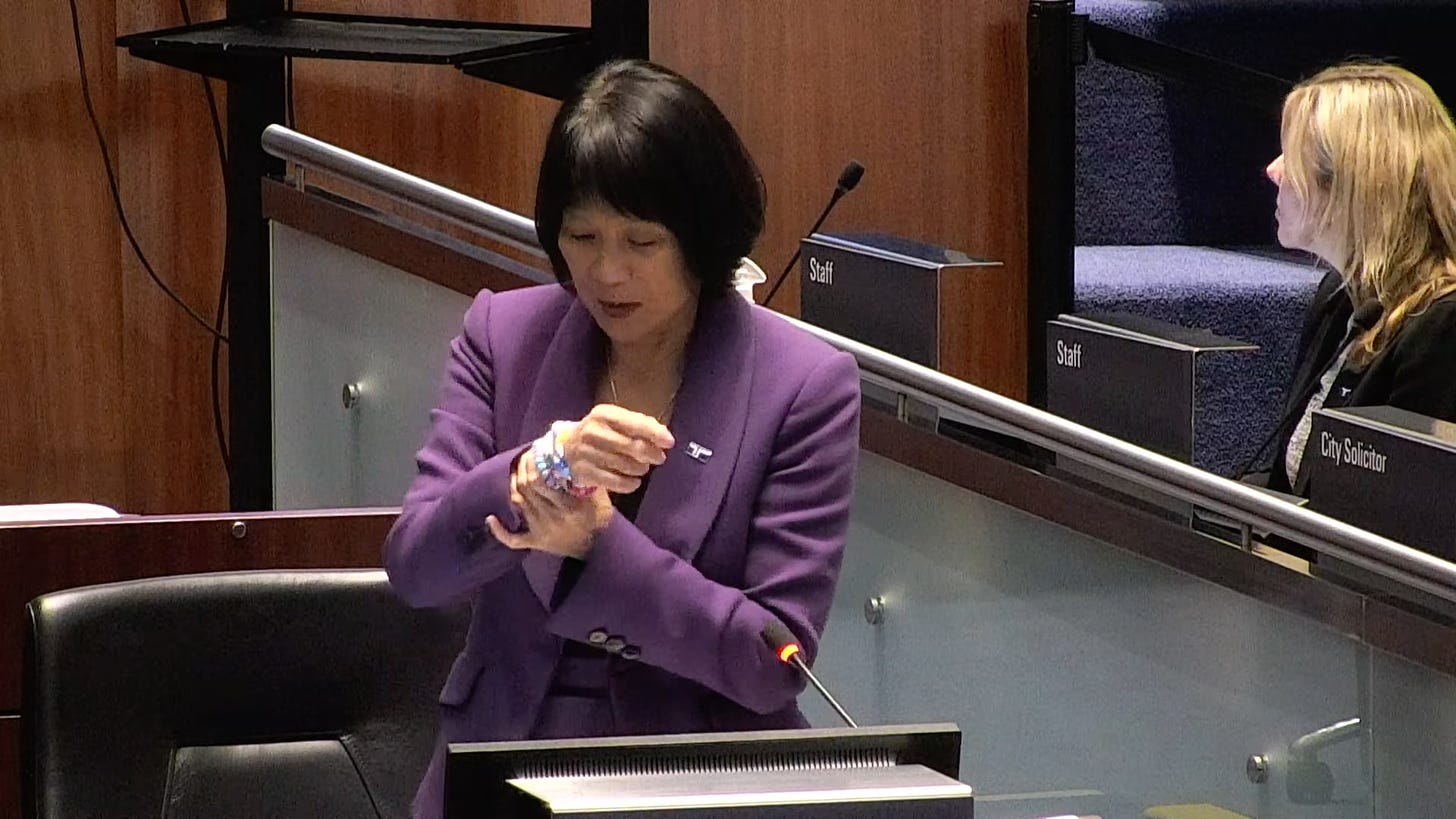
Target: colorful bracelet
550, 460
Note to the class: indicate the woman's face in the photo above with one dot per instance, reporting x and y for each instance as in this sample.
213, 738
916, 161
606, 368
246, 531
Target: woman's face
629, 274
1296, 227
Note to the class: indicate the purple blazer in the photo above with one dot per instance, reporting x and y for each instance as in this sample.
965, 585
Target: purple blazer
722, 544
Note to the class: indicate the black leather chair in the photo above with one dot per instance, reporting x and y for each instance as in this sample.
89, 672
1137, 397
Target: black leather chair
246, 694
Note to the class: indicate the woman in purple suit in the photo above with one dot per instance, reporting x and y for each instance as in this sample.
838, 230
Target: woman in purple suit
635, 473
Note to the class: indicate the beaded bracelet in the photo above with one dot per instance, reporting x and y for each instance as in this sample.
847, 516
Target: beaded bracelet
550, 460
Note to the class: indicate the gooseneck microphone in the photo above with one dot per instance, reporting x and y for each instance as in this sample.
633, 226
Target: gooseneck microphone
848, 178
787, 649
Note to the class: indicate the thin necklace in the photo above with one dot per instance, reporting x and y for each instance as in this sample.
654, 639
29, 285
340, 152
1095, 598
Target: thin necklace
612, 382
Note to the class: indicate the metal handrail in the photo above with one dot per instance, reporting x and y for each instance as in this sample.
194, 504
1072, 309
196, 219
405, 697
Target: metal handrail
1160, 473
1232, 499
495, 222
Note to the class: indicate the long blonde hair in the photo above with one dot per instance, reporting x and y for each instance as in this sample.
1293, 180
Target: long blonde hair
1371, 151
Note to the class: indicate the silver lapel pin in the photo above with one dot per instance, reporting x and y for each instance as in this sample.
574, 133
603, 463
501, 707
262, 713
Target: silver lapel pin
698, 452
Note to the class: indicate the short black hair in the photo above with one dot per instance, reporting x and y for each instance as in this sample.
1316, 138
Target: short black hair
648, 143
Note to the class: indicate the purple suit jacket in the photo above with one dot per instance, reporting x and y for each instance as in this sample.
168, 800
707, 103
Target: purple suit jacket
721, 545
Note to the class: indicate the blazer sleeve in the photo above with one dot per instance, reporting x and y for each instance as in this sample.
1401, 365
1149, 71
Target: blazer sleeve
710, 633
1423, 376
439, 548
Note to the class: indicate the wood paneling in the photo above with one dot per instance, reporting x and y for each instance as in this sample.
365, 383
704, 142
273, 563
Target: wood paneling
60, 298
435, 122
107, 380
928, 95
983, 327
171, 181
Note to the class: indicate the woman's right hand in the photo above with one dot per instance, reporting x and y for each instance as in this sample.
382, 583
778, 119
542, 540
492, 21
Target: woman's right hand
613, 448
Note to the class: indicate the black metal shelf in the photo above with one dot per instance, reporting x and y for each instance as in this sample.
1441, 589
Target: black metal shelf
209, 48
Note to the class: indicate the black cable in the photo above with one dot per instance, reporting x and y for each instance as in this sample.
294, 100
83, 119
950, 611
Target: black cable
222, 289
848, 180
798, 247
217, 425
288, 116
288, 92
211, 99
116, 191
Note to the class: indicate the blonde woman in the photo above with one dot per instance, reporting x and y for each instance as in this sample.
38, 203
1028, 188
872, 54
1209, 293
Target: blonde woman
1367, 182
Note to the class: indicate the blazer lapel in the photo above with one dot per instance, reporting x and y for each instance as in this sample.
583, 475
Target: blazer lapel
686, 492
563, 390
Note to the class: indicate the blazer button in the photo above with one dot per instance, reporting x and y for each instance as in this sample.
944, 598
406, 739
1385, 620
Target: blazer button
597, 636
614, 644
631, 652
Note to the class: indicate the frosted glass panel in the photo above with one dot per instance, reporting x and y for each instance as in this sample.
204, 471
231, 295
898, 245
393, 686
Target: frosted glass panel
1087, 680
340, 318
1414, 718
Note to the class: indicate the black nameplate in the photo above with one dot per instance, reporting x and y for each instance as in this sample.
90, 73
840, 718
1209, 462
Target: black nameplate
1130, 377
880, 290
1387, 471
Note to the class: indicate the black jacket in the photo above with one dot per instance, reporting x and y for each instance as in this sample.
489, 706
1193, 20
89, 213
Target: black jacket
1325, 323
1416, 372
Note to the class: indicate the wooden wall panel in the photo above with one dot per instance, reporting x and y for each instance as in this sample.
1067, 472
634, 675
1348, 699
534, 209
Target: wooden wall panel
433, 121
929, 95
172, 183
60, 307
107, 381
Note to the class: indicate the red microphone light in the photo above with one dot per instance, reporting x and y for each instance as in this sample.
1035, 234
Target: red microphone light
787, 649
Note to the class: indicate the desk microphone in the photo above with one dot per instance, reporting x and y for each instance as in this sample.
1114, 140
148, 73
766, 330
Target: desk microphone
848, 178
787, 649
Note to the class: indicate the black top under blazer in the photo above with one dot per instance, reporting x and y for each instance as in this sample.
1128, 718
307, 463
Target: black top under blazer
1415, 372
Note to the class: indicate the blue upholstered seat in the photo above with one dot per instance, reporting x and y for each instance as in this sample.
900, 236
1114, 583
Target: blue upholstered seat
1249, 294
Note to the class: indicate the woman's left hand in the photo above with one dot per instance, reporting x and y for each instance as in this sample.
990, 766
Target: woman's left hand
556, 522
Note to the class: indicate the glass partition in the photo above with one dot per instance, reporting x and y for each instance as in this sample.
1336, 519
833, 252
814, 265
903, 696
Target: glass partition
342, 320
1088, 680
1413, 715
